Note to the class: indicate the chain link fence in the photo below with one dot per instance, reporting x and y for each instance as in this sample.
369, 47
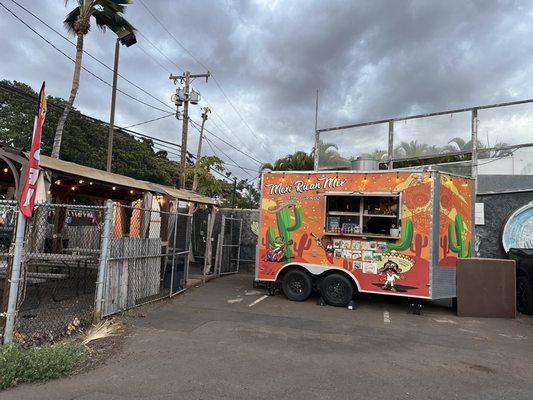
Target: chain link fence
230, 245
58, 271
148, 257
80, 262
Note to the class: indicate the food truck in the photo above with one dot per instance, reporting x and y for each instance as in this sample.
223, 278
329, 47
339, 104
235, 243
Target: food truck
394, 232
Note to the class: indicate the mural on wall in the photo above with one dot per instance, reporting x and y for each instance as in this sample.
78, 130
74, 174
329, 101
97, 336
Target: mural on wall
518, 230
455, 231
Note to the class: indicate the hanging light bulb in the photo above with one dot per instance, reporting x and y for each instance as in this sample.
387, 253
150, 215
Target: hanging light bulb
397, 177
308, 179
364, 179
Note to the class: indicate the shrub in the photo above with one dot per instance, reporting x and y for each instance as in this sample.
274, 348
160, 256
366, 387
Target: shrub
11, 364
38, 363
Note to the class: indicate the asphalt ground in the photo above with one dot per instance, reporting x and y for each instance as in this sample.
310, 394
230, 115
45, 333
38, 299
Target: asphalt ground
227, 340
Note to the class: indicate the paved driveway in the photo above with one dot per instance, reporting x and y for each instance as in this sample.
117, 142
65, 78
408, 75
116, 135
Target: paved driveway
226, 341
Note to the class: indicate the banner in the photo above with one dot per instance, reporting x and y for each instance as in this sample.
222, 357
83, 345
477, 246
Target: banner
29, 188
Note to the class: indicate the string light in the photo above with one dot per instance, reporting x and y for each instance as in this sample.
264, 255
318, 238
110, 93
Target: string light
49, 192
73, 188
114, 188
131, 192
58, 182
80, 181
90, 183
5, 169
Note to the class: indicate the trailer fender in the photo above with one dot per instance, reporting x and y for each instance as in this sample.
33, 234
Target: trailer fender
316, 270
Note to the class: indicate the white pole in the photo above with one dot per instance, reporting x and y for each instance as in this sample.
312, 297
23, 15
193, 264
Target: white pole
15, 279
104, 256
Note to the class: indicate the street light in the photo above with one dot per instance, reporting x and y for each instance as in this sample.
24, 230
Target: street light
127, 39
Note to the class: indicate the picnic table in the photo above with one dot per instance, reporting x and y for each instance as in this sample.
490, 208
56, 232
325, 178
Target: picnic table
61, 260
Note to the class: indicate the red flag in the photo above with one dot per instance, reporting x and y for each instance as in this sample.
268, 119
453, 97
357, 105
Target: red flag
29, 190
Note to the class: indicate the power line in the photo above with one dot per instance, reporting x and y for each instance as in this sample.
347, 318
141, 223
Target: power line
148, 121
71, 59
89, 54
205, 67
163, 147
228, 157
227, 143
33, 97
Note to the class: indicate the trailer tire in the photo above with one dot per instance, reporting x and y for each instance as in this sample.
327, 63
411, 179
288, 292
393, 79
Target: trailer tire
297, 285
337, 290
524, 295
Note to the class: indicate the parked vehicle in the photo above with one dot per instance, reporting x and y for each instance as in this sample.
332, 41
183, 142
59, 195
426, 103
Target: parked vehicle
395, 232
524, 279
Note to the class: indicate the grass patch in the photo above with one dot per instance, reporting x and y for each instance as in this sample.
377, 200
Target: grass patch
38, 363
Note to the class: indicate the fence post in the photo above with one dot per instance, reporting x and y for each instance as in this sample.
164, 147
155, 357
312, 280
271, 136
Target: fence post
390, 148
104, 256
15, 278
474, 173
174, 252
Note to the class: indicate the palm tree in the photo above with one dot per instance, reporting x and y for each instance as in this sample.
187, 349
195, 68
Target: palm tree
106, 14
411, 149
299, 161
329, 156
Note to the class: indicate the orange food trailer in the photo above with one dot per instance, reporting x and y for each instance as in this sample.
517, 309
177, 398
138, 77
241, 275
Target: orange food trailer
395, 232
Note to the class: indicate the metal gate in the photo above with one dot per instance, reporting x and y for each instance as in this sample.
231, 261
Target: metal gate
229, 246
148, 257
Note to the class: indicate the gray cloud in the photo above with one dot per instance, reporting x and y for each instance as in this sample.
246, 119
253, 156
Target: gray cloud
369, 59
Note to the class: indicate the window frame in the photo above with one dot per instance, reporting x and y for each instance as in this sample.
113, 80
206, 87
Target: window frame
361, 215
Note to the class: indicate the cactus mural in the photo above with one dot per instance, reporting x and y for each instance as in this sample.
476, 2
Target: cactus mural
284, 237
444, 245
456, 238
406, 240
303, 244
419, 243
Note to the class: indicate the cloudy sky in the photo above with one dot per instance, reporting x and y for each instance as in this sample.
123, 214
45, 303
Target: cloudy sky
369, 60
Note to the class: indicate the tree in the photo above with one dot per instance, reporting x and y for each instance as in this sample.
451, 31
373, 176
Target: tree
411, 149
298, 161
107, 14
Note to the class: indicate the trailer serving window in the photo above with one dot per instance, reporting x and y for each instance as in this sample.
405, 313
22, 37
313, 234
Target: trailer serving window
363, 214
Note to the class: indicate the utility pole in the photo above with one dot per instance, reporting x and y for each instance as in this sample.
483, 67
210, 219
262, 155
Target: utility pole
234, 192
184, 96
112, 116
205, 112
317, 135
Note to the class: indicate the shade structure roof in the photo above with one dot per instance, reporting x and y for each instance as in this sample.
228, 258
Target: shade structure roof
70, 168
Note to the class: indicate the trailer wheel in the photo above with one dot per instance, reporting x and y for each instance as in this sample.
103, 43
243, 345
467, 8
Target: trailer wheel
297, 285
337, 290
524, 295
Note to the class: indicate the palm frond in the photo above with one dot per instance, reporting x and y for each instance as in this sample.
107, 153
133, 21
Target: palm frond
105, 18
103, 329
71, 19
